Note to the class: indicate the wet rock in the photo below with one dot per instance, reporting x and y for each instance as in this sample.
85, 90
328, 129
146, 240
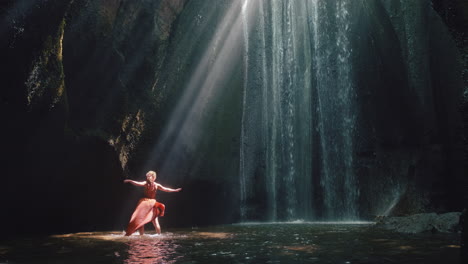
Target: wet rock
418, 223
464, 234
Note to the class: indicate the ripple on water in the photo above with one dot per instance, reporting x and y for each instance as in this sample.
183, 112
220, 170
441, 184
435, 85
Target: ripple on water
272, 243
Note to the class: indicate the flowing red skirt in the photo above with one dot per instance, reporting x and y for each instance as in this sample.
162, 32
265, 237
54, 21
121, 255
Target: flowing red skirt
146, 211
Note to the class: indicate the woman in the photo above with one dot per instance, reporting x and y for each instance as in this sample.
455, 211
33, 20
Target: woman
148, 209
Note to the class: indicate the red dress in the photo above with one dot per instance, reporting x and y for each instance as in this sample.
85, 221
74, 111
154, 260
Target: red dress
146, 211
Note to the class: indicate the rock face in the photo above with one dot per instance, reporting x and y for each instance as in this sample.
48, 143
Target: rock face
419, 223
76, 97
455, 16
424, 144
114, 68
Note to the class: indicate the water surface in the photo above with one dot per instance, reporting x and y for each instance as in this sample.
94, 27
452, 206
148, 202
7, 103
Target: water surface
243, 243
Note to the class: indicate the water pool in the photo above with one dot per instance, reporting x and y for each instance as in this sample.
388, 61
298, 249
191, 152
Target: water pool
242, 243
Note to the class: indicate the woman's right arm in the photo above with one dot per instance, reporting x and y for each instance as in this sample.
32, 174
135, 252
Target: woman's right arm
141, 184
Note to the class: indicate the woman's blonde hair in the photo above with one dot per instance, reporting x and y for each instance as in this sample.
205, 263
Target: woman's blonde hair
152, 173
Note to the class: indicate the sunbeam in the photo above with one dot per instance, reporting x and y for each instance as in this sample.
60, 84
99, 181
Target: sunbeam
185, 124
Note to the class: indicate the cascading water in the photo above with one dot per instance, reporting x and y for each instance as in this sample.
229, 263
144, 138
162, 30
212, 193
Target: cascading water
296, 153
336, 107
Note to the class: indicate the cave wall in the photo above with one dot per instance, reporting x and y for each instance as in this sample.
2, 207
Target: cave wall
76, 97
454, 14
413, 152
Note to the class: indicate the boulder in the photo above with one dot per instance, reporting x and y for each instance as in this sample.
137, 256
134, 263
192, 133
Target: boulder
464, 235
419, 223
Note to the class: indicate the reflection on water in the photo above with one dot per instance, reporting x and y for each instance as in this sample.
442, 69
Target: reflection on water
247, 243
148, 252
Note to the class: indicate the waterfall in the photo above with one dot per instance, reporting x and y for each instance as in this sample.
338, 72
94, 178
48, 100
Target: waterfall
243, 177
335, 109
298, 122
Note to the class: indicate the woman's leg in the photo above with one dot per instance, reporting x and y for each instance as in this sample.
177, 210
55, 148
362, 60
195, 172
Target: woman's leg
156, 225
142, 230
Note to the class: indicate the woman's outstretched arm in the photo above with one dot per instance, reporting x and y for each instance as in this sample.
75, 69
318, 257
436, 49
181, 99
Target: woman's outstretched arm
165, 189
141, 184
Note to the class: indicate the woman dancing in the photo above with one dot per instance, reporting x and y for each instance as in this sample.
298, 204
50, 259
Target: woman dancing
148, 209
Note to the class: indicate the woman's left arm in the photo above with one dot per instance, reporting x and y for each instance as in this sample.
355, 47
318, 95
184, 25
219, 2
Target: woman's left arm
165, 189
